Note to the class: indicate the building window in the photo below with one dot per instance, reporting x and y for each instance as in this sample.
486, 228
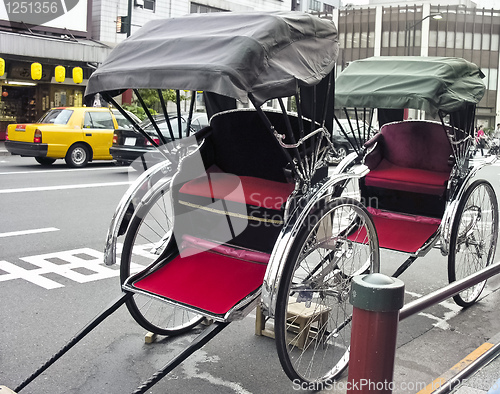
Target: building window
314, 5
146, 4
491, 78
328, 8
203, 9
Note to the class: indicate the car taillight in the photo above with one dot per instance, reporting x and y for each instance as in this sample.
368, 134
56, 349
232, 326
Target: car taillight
38, 137
6, 135
156, 140
115, 138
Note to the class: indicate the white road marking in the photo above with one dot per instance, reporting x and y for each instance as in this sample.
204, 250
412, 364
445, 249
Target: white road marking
28, 232
192, 370
52, 171
63, 187
79, 265
440, 322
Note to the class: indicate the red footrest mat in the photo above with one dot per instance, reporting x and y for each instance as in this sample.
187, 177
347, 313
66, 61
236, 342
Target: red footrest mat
404, 233
206, 280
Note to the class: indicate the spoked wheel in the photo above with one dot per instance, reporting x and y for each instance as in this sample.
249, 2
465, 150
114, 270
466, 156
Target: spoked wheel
145, 239
313, 313
473, 238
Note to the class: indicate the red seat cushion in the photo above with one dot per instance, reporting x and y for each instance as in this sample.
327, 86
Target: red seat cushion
390, 176
243, 189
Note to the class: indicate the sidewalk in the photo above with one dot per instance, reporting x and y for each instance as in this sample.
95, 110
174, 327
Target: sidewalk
467, 377
486, 379
3, 151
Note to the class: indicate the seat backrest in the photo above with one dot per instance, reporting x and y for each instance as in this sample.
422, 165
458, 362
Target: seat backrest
417, 144
243, 145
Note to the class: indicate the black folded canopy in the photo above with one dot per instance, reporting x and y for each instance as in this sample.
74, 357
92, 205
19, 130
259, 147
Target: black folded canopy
232, 54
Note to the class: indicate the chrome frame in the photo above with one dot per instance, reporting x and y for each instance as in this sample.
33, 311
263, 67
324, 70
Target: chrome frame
146, 179
127, 200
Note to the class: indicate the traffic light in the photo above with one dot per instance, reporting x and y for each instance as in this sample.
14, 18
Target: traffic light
36, 71
122, 24
60, 74
77, 75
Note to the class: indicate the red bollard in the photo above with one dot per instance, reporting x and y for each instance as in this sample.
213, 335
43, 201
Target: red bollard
376, 299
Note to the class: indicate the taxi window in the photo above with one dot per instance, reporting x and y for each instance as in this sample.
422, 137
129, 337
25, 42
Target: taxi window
98, 120
122, 121
57, 116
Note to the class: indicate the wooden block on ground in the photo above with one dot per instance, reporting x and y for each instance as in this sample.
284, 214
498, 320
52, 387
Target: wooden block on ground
300, 319
260, 324
149, 338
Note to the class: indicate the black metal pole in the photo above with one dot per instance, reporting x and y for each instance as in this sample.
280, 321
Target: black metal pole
87, 329
129, 14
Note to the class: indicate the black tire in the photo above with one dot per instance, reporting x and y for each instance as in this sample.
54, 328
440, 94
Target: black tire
336, 243
145, 239
45, 161
473, 238
342, 152
78, 156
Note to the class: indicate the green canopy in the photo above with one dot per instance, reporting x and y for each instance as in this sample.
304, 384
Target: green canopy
426, 83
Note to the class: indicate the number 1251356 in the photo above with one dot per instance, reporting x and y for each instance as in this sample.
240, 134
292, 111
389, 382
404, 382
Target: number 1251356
32, 7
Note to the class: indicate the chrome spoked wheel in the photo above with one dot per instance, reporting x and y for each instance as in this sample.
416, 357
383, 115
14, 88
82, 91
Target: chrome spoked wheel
473, 238
313, 313
146, 238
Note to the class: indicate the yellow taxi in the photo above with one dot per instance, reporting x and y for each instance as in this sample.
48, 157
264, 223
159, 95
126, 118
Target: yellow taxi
76, 134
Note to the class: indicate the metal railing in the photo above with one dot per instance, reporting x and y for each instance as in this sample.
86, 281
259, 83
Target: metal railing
381, 314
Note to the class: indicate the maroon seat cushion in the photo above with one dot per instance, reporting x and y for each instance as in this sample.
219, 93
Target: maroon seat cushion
411, 156
390, 176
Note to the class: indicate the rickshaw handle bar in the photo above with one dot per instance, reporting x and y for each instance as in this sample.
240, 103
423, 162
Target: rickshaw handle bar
119, 301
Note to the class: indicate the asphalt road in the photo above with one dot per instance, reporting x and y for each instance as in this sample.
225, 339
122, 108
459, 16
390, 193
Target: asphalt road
52, 282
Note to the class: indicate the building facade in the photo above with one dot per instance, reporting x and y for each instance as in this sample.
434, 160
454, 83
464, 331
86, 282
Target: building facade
81, 36
425, 29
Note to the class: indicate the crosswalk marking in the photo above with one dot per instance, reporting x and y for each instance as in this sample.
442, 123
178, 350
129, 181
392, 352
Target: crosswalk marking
28, 232
79, 265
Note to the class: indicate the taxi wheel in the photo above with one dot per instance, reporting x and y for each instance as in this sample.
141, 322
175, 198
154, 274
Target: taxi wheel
78, 156
45, 161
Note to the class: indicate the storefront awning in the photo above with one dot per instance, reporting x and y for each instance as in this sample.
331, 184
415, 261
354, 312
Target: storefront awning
32, 46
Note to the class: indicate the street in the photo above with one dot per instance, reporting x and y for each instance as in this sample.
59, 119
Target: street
52, 282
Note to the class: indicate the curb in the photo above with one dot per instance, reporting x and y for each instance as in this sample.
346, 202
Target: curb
440, 383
